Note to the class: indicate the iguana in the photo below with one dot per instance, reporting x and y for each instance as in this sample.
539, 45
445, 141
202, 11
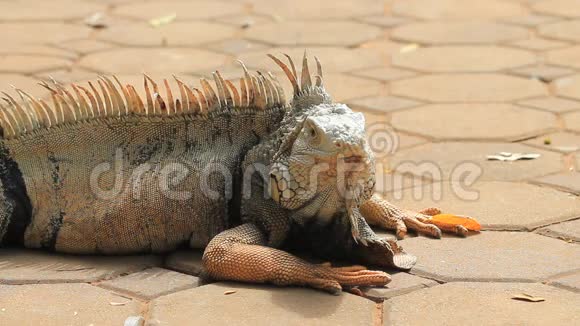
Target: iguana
234, 170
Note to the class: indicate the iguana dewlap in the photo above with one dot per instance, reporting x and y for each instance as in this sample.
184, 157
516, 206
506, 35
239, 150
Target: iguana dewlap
234, 169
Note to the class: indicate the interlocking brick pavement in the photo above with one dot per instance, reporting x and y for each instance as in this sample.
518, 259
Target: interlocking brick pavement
453, 80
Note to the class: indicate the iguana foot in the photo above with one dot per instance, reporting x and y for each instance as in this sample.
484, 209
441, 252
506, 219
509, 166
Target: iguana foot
240, 254
380, 212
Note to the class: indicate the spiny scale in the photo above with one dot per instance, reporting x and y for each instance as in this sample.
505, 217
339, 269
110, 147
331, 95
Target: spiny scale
115, 100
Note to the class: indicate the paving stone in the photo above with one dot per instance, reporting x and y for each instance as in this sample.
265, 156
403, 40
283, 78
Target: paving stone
63, 304
306, 9
46, 10
243, 20
531, 20
468, 88
539, 44
30, 64
236, 46
569, 181
29, 266
85, 46
565, 57
565, 8
383, 103
496, 205
386, 47
333, 59
292, 33
36, 50
552, 104
137, 60
463, 58
447, 161
572, 121
469, 32
564, 142
496, 121
565, 30
568, 86
384, 73
571, 282
40, 33
343, 87
185, 10
569, 231
395, 183
185, 261
29, 84
457, 9
173, 34
259, 305
483, 303
151, 283
384, 21
545, 73
401, 283
493, 256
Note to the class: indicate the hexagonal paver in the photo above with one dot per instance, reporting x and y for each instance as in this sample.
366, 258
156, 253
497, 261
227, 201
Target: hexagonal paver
259, 305
151, 283
67, 76
69, 304
539, 44
530, 20
552, 104
36, 50
401, 283
474, 121
31, 64
469, 32
457, 9
306, 9
564, 30
571, 282
383, 103
185, 261
496, 205
184, 10
384, 73
57, 10
569, 231
85, 46
236, 46
384, 21
290, 33
565, 57
463, 59
486, 303
493, 256
564, 142
244, 20
392, 182
545, 73
566, 181
30, 266
572, 121
138, 60
174, 34
566, 8
333, 59
468, 88
448, 161
28, 33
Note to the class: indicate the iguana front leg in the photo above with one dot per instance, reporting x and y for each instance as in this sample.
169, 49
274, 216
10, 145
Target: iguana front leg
380, 212
240, 254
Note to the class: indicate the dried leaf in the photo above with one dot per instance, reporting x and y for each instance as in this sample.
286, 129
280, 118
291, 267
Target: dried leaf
163, 20
527, 297
117, 303
452, 220
230, 292
507, 156
96, 20
134, 321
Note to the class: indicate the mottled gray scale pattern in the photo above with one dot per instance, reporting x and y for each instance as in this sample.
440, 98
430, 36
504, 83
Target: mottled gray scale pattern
141, 205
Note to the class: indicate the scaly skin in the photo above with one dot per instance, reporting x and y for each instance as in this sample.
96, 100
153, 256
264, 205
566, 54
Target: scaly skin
311, 187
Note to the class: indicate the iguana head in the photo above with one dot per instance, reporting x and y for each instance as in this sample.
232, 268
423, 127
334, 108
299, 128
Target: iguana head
324, 166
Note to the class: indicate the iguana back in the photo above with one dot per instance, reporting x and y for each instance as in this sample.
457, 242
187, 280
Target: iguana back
120, 176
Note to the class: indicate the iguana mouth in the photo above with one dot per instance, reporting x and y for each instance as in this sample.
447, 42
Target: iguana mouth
353, 159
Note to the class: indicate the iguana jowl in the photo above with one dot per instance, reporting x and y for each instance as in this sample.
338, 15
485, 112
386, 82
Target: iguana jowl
235, 170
